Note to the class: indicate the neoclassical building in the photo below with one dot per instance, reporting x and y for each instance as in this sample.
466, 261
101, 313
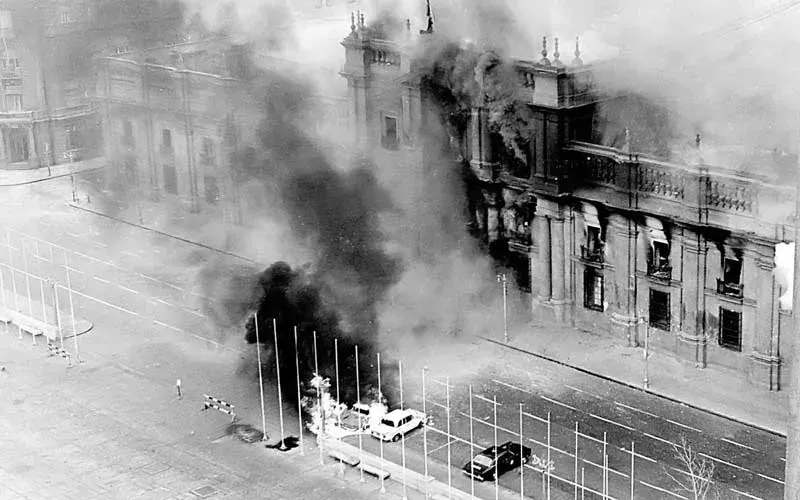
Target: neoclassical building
603, 235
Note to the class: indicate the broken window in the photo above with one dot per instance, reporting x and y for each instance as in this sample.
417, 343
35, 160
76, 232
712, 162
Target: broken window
389, 138
658, 266
522, 270
170, 178
592, 251
593, 289
730, 329
659, 310
730, 284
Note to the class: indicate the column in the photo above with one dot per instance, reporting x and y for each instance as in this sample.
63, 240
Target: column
621, 240
557, 260
33, 157
764, 361
543, 259
692, 345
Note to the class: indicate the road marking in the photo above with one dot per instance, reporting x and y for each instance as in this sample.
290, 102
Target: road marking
662, 490
167, 326
101, 245
565, 405
771, 478
540, 419
684, 425
101, 280
131, 254
728, 464
738, 444
748, 495
585, 392
448, 443
164, 302
490, 401
102, 302
612, 422
131, 290
637, 410
659, 439
73, 234
160, 281
195, 313
511, 386
600, 466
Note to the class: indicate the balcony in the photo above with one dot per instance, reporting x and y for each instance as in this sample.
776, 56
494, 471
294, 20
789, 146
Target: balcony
735, 290
661, 271
592, 254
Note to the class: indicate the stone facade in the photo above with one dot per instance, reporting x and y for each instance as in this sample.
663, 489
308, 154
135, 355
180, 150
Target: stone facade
680, 256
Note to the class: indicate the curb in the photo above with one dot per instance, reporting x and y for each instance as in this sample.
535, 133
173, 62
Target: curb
162, 233
638, 388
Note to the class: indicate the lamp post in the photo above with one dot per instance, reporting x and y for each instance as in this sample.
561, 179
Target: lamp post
501, 278
647, 357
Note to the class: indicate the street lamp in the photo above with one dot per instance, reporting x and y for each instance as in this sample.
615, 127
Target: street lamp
501, 278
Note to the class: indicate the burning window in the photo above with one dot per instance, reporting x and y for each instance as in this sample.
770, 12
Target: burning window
211, 189
389, 133
593, 289
730, 329
732, 271
170, 178
659, 310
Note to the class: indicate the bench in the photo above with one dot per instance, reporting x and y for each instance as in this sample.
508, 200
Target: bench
375, 471
344, 458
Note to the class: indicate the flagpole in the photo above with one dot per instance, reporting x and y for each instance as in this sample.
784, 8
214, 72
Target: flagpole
471, 446
449, 439
403, 439
72, 309
522, 463
496, 465
380, 401
320, 412
299, 401
425, 433
260, 380
358, 399
336, 369
280, 391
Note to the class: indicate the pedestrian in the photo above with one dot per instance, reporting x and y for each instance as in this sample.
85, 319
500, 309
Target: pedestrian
178, 386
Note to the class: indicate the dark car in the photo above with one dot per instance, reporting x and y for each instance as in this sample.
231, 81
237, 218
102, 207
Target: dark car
509, 456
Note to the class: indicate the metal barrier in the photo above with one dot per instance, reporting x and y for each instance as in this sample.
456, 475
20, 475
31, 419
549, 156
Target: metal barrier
218, 404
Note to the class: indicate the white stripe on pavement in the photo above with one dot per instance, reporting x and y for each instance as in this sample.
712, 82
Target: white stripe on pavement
748, 495
131, 290
612, 422
738, 444
101, 280
663, 490
565, 405
100, 301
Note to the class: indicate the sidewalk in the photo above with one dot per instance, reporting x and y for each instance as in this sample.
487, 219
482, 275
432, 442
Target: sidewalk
717, 390
26, 176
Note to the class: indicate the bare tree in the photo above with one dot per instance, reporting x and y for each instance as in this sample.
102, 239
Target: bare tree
696, 475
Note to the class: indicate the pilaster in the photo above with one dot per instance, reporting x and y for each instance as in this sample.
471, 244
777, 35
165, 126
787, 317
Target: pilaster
692, 337
621, 236
765, 361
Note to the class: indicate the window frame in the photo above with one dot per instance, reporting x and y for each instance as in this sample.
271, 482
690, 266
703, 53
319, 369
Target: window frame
725, 268
386, 143
664, 324
591, 278
725, 344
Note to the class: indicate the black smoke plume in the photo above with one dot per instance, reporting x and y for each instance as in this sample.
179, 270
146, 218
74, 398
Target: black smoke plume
336, 214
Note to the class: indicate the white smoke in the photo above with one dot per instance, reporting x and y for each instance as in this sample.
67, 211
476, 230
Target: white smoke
784, 273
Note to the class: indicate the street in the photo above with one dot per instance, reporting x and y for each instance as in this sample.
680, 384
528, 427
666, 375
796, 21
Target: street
150, 328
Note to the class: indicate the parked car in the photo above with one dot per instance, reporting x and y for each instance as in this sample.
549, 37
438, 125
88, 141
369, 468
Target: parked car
356, 419
488, 465
397, 423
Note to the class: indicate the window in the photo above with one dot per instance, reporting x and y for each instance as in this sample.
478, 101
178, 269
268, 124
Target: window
212, 189
13, 102
166, 142
389, 137
593, 251
170, 178
74, 137
658, 266
732, 271
129, 170
5, 22
593, 289
207, 152
17, 143
522, 270
65, 17
127, 134
659, 310
730, 329
10, 63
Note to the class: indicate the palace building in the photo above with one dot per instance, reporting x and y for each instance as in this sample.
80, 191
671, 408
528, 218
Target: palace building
604, 235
